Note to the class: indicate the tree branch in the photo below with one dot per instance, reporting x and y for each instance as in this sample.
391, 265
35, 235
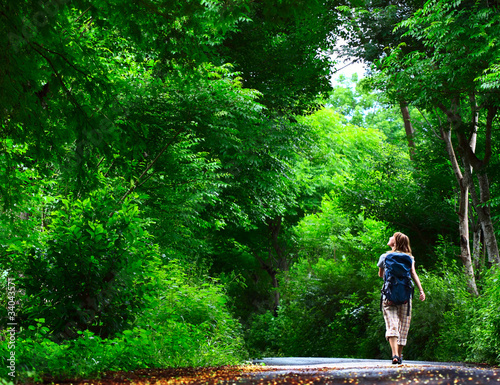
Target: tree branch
136, 184
429, 123
446, 135
64, 58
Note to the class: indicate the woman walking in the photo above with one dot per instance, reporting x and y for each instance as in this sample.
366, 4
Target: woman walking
398, 316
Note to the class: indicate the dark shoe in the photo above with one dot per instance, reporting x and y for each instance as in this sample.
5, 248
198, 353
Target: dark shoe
401, 360
395, 360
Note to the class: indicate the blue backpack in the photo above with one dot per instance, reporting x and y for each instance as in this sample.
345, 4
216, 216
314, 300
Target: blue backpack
398, 286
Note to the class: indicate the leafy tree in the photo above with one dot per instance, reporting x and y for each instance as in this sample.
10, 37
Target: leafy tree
335, 153
69, 69
370, 32
125, 95
370, 177
360, 104
446, 75
283, 52
370, 26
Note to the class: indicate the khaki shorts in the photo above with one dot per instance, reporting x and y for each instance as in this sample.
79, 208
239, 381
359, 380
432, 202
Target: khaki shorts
397, 321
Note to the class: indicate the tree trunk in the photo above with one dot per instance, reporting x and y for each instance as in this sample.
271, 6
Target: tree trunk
477, 250
281, 262
471, 161
268, 267
484, 215
410, 132
463, 226
463, 214
276, 295
277, 258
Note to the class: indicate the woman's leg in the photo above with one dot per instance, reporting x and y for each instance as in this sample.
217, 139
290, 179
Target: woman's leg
404, 326
404, 319
393, 341
392, 327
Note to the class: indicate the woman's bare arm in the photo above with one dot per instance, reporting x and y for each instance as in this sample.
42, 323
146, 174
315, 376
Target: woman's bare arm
417, 281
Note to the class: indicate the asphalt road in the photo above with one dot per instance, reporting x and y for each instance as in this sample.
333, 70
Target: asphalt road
301, 370
312, 362
308, 371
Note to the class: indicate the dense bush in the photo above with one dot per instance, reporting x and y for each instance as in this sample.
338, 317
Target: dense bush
95, 293
437, 326
484, 330
324, 312
88, 269
186, 324
452, 325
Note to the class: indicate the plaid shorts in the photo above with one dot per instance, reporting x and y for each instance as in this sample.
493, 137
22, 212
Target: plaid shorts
397, 321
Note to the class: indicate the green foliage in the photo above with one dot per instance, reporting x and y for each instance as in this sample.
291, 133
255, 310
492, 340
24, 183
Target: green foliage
186, 323
369, 175
326, 302
337, 153
369, 27
435, 333
201, 304
128, 93
460, 327
90, 269
456, 48
484, 335
283, 58
280, 334
327, 296
362, 106
333, 234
